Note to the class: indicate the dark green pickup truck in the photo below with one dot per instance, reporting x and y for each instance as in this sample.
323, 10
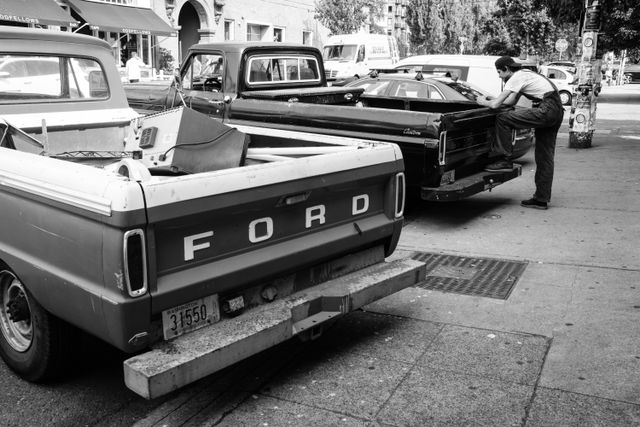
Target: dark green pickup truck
445, 144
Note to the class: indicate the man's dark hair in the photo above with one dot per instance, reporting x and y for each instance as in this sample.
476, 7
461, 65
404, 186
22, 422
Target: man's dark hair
505, 62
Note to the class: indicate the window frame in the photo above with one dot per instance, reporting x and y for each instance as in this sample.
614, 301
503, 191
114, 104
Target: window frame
65, 65
253, 60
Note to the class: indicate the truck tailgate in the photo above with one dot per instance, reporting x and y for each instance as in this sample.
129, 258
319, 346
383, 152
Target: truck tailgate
239, 227
464, 134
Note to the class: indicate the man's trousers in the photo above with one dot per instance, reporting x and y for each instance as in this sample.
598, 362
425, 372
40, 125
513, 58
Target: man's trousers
546, 118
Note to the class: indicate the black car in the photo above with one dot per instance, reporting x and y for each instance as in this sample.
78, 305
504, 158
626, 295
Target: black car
408, 84
417, 85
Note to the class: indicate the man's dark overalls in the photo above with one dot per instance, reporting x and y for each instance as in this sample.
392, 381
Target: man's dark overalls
546, 117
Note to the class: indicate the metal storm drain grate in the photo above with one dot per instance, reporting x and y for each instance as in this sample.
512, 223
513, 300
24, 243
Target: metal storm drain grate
485, 277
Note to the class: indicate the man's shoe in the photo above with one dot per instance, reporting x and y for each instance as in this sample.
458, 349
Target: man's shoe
533, 203
501, 166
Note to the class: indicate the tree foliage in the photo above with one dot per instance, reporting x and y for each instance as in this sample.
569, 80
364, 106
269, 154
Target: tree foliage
440, 26
523, 26
620, 26
349, 16
620, 22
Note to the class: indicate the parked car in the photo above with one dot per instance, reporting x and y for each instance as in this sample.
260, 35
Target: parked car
479, 70
350, 56
568, 65
633, 73
564, 80
408, 84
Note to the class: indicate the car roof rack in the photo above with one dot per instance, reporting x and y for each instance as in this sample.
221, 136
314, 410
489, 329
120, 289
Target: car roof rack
374, 73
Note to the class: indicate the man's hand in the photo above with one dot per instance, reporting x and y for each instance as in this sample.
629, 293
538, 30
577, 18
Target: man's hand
484, 101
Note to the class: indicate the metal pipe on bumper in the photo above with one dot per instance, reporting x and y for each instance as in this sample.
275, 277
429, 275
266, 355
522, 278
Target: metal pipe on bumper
185, 359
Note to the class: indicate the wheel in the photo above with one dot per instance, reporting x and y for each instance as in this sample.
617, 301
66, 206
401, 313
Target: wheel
33, 343
565, 97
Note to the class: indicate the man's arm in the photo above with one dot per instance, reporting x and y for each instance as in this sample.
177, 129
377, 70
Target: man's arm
506, 97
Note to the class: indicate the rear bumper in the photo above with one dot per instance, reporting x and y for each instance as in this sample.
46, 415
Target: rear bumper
175, 363
469, 185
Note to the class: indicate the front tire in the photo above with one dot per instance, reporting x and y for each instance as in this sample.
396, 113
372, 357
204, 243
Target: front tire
565, 97
33, 343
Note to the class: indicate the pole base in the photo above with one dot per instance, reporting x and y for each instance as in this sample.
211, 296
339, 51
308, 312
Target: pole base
580, 139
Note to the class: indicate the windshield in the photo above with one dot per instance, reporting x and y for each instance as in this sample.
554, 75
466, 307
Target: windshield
371, 86
465, 89
339, 52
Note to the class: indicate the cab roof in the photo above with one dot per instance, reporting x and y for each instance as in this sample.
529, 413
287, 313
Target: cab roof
239, 47
40, 35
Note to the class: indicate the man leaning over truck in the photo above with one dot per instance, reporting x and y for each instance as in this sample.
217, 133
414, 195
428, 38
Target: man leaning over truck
545, 116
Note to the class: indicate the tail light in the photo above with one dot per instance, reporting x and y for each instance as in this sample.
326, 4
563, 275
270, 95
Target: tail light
135, 264
400, 194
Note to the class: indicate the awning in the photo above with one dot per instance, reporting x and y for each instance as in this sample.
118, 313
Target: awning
121, 19
37, 12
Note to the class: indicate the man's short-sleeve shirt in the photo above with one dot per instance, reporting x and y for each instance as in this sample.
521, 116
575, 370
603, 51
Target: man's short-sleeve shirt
528, 83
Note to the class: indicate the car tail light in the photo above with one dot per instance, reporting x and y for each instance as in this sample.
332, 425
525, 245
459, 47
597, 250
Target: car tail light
400, 195
135, 264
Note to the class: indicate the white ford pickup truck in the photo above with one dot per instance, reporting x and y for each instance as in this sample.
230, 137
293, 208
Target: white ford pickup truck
184, 241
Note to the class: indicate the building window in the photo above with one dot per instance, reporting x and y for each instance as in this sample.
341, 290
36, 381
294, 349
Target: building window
278, 34
306, 37
256, 32
228, 29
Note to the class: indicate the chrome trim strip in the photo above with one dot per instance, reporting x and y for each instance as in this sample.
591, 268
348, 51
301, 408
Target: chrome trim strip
96, 204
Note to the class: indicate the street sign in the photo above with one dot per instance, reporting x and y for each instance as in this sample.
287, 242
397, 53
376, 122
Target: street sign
561, 45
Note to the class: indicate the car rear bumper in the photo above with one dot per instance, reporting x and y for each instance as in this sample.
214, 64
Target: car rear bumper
187, 358
470, 185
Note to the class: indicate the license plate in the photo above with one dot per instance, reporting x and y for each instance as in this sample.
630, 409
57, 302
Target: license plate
190, 316
449, 177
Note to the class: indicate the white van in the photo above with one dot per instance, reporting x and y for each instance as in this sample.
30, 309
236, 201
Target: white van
350, 56
479, 70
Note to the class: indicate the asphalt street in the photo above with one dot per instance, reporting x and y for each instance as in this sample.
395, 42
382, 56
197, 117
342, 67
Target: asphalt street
561, 350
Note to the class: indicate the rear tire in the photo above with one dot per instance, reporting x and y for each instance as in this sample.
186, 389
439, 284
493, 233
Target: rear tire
33, 343
565, 97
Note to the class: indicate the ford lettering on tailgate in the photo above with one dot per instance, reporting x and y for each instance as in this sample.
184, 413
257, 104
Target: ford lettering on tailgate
244, 227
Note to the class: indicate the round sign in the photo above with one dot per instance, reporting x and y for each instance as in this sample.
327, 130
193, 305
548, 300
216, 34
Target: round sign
561, 45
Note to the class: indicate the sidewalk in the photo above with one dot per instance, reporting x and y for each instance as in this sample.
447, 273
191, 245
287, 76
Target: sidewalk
563, 349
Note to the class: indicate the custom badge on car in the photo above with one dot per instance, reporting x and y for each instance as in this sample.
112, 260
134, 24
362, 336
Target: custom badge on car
409, 131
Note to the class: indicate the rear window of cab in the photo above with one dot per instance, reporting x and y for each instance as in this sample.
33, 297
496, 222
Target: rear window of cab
44, 78
267, 70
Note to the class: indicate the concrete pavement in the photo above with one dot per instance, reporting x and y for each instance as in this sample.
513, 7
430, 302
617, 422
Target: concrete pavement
562, 350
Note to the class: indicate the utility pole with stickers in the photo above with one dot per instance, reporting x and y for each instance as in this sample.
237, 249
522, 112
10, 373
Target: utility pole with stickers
583, 110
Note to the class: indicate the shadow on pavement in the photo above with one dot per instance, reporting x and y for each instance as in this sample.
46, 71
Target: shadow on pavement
452, 214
